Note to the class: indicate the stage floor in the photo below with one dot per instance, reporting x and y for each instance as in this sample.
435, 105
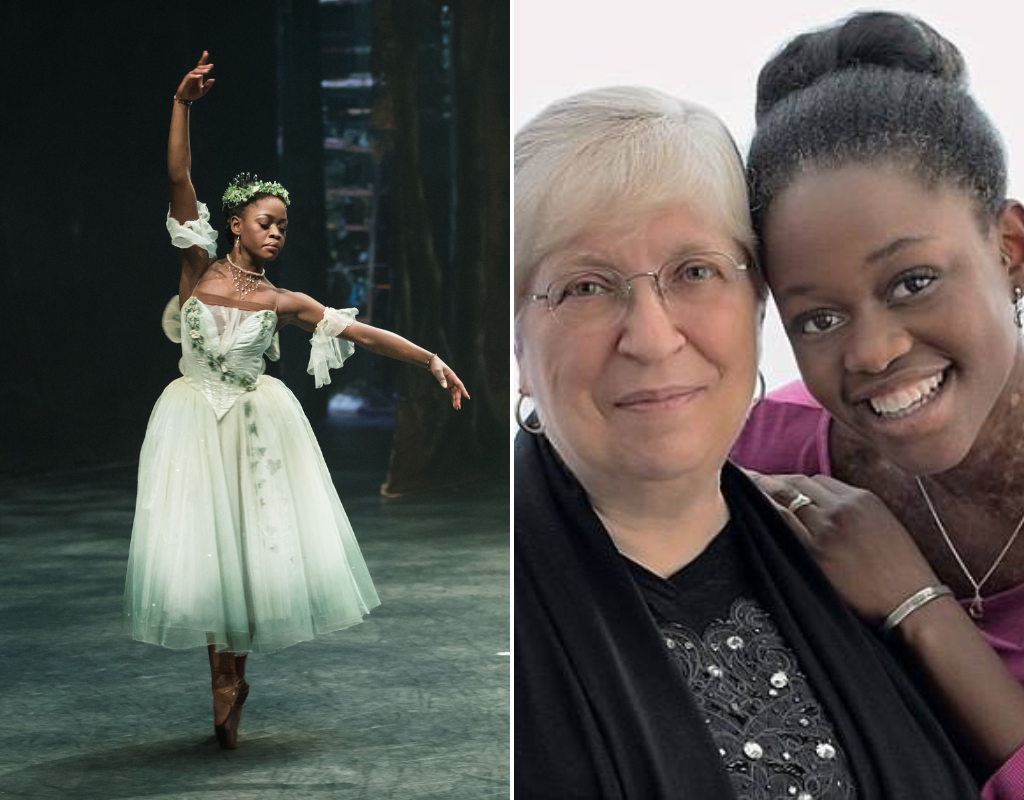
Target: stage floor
412, 703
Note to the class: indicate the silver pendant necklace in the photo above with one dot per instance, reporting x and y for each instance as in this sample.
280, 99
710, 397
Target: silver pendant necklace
977, 607
244, 280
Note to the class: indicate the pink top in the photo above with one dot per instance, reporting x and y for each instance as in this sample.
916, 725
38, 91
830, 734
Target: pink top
787, 432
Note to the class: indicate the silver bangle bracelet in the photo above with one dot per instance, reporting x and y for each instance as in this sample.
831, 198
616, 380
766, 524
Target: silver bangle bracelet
921, 597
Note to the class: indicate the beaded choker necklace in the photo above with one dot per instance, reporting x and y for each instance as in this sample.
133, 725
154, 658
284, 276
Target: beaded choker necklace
244, 280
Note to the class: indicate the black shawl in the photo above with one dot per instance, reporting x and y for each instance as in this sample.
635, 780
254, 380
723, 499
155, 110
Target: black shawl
600, 710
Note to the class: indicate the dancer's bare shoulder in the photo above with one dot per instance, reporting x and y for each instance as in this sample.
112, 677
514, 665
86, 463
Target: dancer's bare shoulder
296, 308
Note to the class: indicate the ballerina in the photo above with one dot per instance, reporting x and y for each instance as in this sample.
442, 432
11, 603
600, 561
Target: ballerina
240, 542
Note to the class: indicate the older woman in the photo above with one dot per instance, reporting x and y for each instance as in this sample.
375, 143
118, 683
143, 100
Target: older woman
673, 638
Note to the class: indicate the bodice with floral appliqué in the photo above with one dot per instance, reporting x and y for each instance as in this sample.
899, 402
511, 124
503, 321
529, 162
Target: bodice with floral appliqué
223, 371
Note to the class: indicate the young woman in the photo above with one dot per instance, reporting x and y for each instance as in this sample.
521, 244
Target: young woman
240, 543
897, 263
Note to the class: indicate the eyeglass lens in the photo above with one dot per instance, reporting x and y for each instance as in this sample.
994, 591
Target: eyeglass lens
601, 296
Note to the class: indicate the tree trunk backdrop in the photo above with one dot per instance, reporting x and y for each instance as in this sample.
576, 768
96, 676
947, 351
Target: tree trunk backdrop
458, 303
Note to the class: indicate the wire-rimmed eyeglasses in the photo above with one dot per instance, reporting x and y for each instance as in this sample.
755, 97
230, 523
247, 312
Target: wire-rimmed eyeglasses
600, 296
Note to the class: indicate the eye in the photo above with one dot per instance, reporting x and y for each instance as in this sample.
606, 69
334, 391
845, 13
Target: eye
694, 271
814, 322
911, 283
582, 287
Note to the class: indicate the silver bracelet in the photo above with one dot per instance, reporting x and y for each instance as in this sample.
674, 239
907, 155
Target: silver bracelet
432, 357
921, 597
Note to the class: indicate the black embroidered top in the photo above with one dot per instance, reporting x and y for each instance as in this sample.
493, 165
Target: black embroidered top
771, 731
600, 708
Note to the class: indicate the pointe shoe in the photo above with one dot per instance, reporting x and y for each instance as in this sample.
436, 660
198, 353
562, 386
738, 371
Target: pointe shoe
227, 731
235, 715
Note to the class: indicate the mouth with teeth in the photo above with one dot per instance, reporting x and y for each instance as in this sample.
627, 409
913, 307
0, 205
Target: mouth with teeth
909, 399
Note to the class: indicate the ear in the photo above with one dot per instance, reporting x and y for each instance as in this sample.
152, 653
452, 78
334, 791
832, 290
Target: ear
235, 224
1010, 232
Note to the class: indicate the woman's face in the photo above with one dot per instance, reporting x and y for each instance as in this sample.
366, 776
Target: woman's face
664, 391
898, 307
263, 227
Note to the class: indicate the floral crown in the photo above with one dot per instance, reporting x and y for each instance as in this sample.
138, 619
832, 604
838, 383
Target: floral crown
244, 187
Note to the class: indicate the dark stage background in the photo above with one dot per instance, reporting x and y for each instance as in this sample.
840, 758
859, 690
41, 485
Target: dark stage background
86, 260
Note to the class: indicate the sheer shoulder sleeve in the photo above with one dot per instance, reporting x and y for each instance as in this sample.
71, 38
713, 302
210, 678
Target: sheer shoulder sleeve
329, 352
195, 232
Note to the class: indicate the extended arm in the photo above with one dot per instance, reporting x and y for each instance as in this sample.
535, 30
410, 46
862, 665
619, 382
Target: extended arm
295, 308
179, 165
875, 565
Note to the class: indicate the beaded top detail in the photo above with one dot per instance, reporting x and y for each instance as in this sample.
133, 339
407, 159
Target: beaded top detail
769, 727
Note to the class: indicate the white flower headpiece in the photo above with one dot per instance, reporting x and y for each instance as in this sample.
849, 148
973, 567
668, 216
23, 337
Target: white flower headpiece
245, 186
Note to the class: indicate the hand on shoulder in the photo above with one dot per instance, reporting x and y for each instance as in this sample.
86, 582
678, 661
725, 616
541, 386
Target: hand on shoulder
866, 553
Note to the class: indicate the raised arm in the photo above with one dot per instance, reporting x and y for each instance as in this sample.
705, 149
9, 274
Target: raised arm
179, 159
295, 308
875, 565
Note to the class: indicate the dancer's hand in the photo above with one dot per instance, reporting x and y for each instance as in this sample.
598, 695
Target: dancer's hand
449, 380
195, 84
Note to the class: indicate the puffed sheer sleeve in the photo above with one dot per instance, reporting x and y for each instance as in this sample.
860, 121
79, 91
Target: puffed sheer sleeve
195, 232
329, 352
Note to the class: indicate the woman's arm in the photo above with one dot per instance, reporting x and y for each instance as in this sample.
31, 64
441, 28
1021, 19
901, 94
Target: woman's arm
194, 85
875, 565
977, 692
295, 308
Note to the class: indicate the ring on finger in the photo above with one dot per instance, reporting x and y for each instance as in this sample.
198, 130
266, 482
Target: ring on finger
799, 502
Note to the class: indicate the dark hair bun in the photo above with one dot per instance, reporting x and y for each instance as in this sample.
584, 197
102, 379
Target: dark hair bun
878, 39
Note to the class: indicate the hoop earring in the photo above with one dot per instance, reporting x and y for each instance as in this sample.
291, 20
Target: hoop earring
762, 388
536, 428
1018, 307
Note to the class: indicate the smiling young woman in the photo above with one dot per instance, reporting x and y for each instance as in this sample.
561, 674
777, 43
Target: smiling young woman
897, 263
903, 328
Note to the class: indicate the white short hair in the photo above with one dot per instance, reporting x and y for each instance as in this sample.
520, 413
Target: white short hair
608, 157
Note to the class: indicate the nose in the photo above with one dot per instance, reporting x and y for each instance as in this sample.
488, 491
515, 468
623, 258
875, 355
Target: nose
874, 343
649, 332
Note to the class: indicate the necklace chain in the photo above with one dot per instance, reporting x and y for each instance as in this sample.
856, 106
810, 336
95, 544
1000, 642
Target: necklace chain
977, 607
245, 282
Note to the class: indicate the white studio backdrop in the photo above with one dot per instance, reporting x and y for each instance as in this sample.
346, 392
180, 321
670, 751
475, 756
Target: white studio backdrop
711, 53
